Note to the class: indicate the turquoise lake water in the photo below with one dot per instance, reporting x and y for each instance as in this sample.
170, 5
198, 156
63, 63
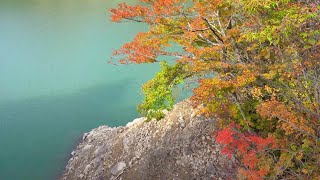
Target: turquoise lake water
55, 83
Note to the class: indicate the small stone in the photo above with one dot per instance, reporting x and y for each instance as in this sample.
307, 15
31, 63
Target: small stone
73, 153
81, 176
118, 168
86, 169
85, 135
187, 151
193, 114
87, 147
165, 112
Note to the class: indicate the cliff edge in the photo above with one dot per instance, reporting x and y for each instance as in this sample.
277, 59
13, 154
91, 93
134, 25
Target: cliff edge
176, 147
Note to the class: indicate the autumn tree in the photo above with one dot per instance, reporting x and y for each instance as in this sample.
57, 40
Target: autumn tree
257, 71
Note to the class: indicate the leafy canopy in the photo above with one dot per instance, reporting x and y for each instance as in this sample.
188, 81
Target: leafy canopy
266, 89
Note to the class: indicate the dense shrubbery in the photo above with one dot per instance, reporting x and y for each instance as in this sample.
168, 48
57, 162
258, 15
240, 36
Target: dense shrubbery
266, 89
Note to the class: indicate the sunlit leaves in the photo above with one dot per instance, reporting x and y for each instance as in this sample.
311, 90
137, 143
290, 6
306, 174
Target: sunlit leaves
159, 91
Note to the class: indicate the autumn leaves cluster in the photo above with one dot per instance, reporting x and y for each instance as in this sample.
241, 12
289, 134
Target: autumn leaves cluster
255, 68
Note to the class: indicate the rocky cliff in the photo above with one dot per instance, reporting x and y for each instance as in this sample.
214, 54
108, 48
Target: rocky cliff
176, 147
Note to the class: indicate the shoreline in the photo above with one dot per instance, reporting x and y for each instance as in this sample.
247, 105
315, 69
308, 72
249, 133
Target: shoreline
180, 145
67, 157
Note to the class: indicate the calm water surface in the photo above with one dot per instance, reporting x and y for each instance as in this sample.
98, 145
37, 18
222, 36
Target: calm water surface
55, 83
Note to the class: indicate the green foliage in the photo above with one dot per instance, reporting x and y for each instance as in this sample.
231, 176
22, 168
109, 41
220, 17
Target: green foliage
158, 92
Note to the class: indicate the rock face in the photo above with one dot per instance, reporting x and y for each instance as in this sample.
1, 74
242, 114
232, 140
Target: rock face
176, 147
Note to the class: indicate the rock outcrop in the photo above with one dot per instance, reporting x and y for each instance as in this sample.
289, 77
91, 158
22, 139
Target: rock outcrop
176, 147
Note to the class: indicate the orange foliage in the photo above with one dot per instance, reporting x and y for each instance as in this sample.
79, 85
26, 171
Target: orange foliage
290, 122
256, 64
127, 12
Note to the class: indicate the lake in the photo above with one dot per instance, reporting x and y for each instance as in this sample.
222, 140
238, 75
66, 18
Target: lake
55, 83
